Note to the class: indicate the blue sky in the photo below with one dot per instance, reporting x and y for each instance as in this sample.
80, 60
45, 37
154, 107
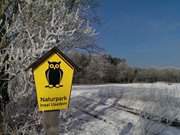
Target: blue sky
145, 32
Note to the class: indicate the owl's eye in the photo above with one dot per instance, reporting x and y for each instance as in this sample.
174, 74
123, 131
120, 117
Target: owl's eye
51, 66
56, 66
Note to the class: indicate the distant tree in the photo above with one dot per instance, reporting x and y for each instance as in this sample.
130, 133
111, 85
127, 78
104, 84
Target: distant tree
122, 69
83, 61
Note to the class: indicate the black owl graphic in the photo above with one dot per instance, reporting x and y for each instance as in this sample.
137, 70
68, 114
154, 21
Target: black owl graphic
54, 74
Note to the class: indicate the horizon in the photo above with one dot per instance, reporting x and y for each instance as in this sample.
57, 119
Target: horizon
145, 33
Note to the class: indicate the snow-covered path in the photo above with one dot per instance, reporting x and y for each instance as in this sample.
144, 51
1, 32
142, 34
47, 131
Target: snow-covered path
99, 116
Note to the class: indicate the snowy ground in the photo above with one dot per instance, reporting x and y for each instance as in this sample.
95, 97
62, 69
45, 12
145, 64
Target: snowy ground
93, 109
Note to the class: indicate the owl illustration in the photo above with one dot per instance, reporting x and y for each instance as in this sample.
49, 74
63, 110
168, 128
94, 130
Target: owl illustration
54, 74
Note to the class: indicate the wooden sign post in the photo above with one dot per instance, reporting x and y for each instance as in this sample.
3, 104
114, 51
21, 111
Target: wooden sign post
53, 74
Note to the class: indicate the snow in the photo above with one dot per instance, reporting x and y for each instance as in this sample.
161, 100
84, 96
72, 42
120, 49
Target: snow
101, 117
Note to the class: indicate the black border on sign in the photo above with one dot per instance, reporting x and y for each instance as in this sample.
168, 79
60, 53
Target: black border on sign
48, 54
67, 61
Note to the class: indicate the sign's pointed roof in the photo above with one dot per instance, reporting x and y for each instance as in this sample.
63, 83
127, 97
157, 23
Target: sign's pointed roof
48, 54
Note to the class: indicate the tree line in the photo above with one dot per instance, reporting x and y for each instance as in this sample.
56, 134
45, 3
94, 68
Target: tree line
107, 69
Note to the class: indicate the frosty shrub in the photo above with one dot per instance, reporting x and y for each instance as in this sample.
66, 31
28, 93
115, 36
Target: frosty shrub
39, 26
163, 106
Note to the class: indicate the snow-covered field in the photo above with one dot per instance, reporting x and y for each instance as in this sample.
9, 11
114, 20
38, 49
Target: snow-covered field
93, 109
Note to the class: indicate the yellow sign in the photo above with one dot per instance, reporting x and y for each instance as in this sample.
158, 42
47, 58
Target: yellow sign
53, 74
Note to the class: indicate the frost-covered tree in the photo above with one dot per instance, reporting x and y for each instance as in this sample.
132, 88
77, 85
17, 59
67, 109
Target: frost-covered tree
38, 26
